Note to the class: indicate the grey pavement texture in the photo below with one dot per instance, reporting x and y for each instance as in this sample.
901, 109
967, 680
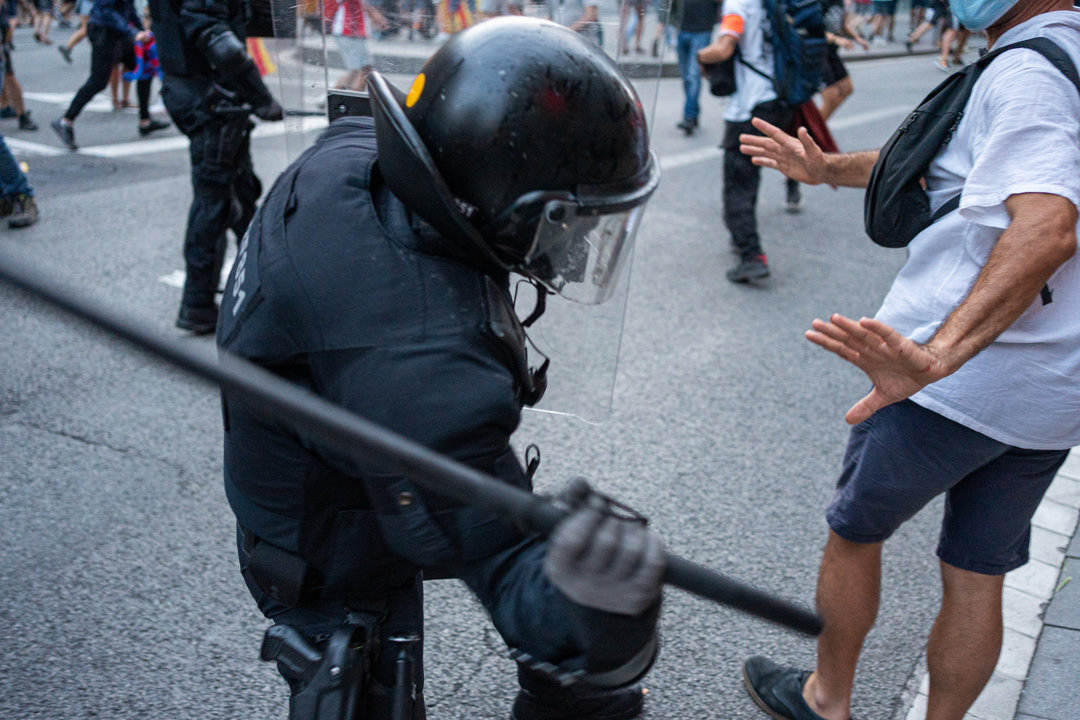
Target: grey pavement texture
1052, 691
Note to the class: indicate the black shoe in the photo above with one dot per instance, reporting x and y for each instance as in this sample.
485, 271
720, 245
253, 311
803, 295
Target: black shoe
24, 211
198, 319
65, 52
687, 126
25, 123
66, 133
752, 268
579, 702
909, 46
7, 112
152, 126
793, 202
777, 690
5, 206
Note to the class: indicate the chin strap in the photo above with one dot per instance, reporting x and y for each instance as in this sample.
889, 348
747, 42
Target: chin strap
537, 376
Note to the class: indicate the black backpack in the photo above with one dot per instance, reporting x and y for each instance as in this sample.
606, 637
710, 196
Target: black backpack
896, 206
799, 45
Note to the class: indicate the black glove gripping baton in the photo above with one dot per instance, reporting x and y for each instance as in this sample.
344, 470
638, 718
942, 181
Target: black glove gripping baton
351, 434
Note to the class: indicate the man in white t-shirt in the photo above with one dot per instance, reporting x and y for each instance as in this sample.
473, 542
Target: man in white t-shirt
975, 361
744, 27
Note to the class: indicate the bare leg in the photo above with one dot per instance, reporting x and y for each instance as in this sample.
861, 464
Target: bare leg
946, 43
79, 34
12, 96
848, 591
834, 95
965, 641
114, 86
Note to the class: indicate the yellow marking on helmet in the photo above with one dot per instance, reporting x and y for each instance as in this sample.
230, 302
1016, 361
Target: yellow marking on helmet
415, 90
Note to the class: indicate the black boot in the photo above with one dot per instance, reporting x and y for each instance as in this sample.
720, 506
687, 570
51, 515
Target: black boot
197, 319
542, 698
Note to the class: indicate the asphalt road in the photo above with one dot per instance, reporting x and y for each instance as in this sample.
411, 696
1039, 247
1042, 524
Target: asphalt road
120, 596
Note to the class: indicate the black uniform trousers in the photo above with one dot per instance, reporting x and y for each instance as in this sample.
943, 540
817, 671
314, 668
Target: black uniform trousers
225, 191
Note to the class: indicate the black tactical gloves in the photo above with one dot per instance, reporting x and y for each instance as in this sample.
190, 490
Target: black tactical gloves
605, 562
229, 59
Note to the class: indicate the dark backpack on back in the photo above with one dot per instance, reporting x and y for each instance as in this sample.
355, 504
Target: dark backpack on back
896, 205
799, 45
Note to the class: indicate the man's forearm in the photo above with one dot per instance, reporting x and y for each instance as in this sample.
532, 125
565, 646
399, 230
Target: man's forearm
719, 51
1021, 263
849, 169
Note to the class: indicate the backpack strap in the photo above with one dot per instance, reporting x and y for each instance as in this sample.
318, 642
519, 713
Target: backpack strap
1045, 47
949, 205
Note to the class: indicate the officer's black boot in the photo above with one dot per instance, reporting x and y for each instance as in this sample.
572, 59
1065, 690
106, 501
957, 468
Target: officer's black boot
197, 319
542, 698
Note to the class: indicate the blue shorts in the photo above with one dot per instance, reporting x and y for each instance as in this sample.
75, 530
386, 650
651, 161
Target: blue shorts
905, 455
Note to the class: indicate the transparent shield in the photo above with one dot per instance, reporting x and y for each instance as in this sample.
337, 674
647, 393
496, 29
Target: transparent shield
322, 45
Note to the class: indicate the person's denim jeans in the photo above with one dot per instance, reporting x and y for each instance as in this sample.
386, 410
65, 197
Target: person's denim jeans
686, 48
12, 180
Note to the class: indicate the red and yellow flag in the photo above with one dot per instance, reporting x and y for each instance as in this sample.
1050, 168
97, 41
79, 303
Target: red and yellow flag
256, 48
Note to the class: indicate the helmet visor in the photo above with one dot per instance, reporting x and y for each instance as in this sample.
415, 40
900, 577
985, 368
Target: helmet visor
580, 254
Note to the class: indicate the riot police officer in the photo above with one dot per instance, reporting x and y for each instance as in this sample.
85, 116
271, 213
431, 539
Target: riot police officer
376, 273
210, 88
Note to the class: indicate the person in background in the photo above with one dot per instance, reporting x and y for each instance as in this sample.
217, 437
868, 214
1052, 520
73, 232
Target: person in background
744, 28
113, 28
695, 32
211, 89
344, 19
82, 9
840, 31
11, 97
17, 201
43, 21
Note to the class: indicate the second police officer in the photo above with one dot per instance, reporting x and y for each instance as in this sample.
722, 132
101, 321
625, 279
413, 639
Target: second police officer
376, 273
210, 88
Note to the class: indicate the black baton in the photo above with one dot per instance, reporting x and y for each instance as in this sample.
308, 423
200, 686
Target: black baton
353, 435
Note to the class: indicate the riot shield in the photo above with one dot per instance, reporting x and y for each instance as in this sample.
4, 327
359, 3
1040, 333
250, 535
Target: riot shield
319, 46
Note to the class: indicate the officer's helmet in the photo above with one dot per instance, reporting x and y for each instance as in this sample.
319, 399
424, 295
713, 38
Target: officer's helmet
525, 141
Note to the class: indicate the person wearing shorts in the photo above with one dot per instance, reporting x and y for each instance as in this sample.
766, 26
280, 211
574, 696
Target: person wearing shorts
991, 488
973, 356
840, 32
43, 20
883, 21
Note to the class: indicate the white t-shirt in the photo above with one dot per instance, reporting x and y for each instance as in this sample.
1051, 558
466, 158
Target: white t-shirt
750, 88
1020, 133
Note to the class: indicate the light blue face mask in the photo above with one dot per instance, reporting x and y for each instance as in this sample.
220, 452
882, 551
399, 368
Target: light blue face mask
979, 14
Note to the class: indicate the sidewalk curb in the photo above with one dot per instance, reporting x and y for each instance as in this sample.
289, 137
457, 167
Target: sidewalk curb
1027, 594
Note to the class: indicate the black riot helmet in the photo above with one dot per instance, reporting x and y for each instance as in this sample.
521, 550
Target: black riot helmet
524, 142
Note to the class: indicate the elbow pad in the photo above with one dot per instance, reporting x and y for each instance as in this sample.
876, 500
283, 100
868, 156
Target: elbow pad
224, 51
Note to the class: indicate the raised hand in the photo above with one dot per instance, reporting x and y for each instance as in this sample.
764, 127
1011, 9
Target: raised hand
799, 158
898, 366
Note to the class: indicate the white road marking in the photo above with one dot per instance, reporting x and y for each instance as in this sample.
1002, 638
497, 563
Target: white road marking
174, 279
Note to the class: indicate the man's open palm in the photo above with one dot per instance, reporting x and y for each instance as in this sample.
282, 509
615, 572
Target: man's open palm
897, 366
